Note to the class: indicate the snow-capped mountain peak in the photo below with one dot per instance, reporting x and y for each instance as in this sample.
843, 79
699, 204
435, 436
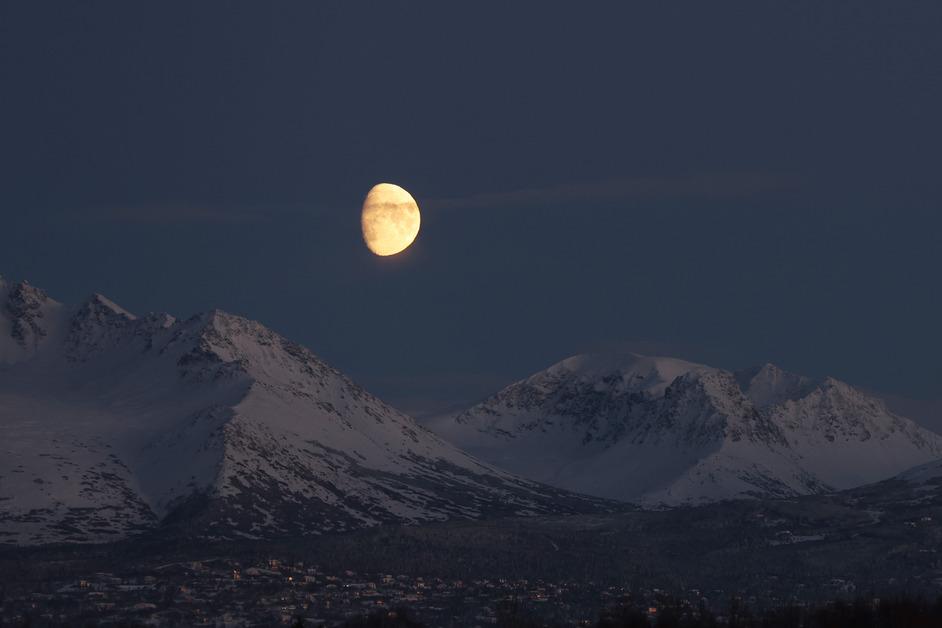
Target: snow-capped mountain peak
660, 431
101, 303
768, 385
97, 325
114, 424
620, 373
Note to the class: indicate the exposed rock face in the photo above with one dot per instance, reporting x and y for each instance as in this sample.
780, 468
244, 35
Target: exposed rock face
29, 314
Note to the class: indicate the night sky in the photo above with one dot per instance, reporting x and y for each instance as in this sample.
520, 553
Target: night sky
733, 183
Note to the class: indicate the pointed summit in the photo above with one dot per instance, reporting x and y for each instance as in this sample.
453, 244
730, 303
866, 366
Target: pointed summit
96, 325
768, 385
103, 304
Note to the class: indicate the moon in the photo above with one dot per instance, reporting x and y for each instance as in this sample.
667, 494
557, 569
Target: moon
390, 219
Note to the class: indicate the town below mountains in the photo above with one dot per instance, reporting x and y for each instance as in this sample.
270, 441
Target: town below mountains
132, 442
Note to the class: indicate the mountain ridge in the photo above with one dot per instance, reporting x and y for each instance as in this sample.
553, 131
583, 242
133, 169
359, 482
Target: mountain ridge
112, 423
666, 432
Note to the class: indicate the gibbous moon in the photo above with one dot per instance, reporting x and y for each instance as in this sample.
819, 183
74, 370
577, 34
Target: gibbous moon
390, 219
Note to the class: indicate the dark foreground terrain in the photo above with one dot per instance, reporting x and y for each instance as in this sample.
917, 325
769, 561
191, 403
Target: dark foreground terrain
755, 556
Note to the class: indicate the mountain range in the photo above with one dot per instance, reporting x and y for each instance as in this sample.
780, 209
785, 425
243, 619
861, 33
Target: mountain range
663, 432
113, 424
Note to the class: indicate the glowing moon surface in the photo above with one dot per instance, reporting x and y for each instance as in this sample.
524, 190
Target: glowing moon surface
390, 219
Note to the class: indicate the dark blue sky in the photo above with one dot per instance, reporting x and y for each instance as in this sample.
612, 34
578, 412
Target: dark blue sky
729, 182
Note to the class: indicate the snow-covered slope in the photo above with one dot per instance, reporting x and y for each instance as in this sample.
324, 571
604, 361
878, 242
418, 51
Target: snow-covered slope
661, 431
111, 424
928, 474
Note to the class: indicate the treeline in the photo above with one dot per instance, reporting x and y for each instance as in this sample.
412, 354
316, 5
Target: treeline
900, 612
397, 618
903, 612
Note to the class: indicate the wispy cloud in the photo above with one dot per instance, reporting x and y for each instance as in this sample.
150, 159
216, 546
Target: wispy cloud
159, 214
702, 186
737, 185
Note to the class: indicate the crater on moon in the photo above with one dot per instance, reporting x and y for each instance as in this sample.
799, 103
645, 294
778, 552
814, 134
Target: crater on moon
390, 219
